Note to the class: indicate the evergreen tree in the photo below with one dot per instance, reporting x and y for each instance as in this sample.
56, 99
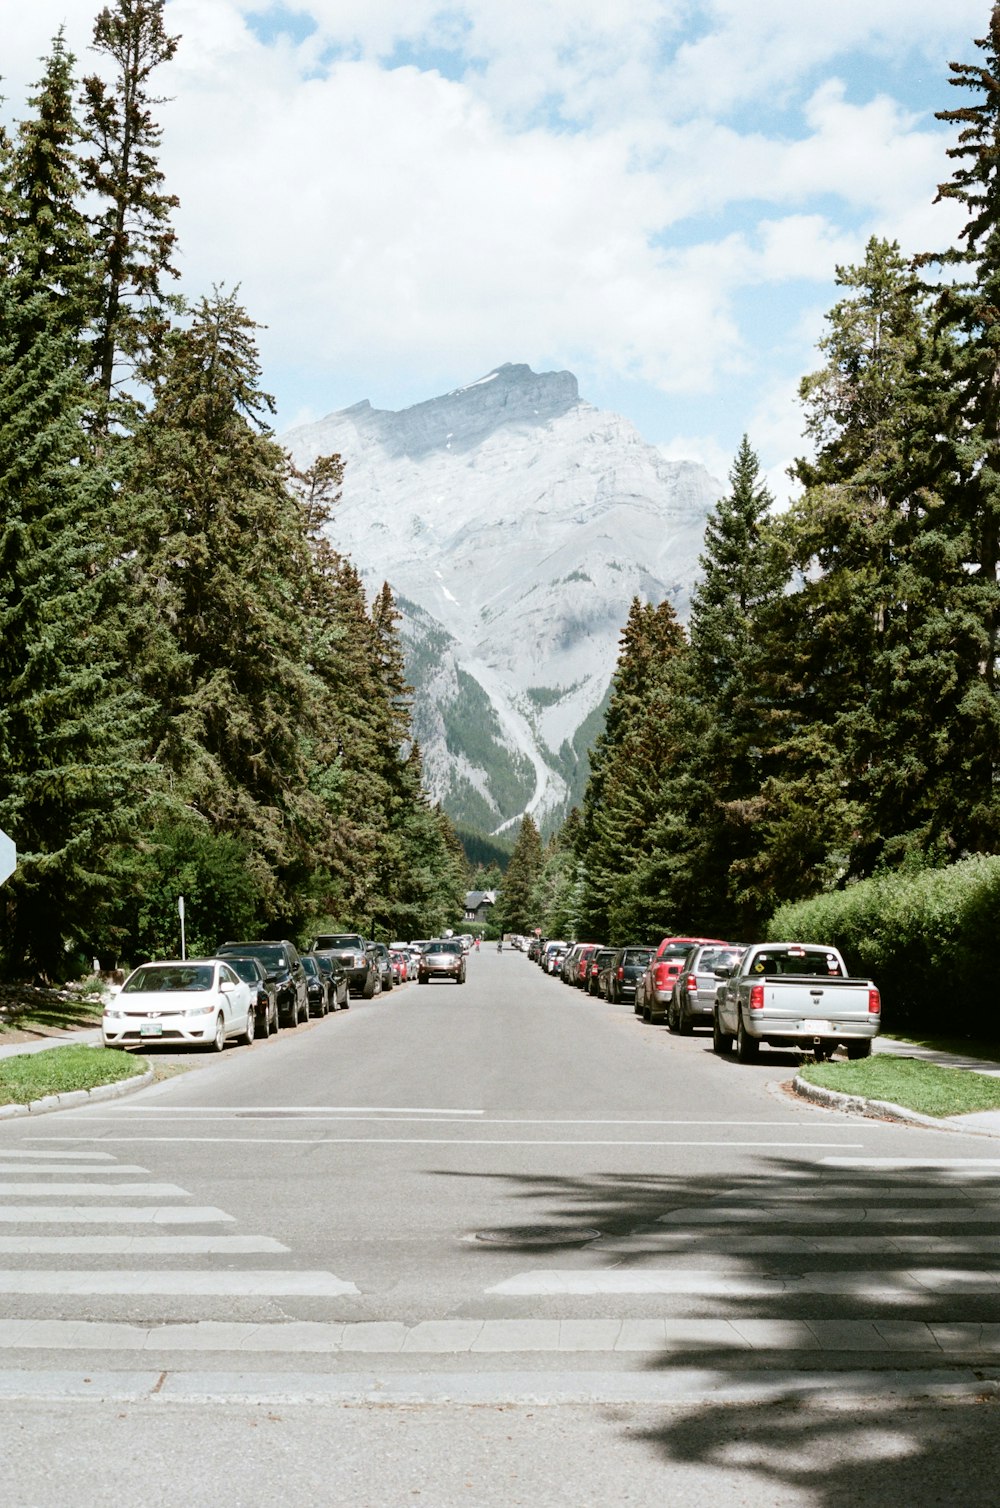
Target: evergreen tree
73, 784
221, 564
969, 465
867, 644
637, 745
132, 223
517, 899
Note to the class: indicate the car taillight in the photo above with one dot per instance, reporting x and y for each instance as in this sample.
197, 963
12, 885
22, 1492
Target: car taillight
661, 974
692, 981
756, 997
620, 974
874, 1002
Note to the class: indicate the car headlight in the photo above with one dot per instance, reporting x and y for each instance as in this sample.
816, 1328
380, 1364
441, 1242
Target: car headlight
113, 1015
199, 1010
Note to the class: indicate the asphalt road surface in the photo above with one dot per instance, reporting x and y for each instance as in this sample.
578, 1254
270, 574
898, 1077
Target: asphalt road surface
494, 1244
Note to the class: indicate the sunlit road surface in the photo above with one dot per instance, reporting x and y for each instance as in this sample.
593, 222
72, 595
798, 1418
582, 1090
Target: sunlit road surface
498, 1243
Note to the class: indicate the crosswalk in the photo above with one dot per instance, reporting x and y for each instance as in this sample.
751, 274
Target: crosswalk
854, 1261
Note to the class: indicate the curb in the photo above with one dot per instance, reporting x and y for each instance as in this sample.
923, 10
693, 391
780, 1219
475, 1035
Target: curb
855, 1104
76, 1097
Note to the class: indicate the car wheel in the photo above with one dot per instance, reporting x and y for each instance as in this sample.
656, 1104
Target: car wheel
293, 1015
747, 1047
722, 1042
671, 1017
218, 1042
251, 1028
862, 1049
684, 1023
369, 989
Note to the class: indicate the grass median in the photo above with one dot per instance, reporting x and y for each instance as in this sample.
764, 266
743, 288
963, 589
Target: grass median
910, 1082
60, 1070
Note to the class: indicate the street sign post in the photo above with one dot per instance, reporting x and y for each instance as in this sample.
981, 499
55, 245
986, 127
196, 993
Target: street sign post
180, 913
8, 857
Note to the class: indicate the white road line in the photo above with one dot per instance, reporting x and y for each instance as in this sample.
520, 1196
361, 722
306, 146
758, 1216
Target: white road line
916, 1164
477, 1336
92, 1190
71, 1167
363, 1110
80, 1156
890, 1283
126, 1282
462, 1141
981, 1212
126, 1246
83, 1214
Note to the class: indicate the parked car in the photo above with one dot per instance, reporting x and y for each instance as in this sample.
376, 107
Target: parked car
400, 965
339, 992
597, 971
795, 995
252, 971
627, 967
201, 1001
653, 994
355, 956
442, 959
318, 986
384, 965
581, 966
554, 957
692, 1002
283, 967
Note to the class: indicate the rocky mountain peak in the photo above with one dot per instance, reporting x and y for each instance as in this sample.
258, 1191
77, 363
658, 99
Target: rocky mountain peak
461, 420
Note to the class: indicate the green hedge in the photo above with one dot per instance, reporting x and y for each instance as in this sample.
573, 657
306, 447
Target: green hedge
928, 939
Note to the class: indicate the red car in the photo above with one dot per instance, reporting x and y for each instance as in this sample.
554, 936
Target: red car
653, 993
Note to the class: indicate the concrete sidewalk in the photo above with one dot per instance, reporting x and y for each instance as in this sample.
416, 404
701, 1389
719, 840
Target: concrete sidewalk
90, 1038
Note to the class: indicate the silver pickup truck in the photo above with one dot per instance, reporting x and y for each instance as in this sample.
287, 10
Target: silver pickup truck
794, 995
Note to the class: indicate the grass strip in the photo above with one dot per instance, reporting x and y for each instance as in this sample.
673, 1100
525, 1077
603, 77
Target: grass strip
910, 1082
59, 1070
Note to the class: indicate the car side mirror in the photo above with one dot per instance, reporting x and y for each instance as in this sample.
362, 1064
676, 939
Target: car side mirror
725, 971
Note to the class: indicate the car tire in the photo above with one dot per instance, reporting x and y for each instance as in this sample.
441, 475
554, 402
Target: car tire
862, 1049
251, 1028
671, 1017
218, 1041
722, 1042
369, 989
685, 1026
747, 1047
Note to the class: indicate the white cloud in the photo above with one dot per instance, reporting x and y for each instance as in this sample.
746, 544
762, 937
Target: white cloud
605, 188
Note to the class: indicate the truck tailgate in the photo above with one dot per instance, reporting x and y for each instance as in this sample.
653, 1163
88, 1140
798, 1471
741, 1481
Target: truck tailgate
804, 999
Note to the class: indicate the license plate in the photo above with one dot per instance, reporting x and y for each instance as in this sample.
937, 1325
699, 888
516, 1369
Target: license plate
815, 1026
151, 1029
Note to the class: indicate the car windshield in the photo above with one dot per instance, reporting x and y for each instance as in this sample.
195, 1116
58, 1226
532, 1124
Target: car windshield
246, 968
798, 962
637, 955
339, 940
271, 955
310, 965
443, 947
174, 977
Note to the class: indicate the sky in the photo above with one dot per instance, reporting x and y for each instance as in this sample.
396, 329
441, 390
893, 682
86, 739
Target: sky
653, 194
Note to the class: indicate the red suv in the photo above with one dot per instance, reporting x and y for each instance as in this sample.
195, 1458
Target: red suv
654, 989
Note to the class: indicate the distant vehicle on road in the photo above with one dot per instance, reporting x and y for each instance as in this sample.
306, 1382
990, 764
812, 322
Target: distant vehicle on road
442, 959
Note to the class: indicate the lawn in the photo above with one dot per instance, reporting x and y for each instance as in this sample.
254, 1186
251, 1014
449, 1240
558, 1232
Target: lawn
58, 1070
909, 1082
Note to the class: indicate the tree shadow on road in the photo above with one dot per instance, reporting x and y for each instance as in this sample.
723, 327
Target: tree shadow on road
831, 1275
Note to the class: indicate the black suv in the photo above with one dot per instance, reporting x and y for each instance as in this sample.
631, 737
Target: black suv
284, 970
356, 957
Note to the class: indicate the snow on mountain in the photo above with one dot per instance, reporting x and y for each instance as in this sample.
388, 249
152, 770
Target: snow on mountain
515, 522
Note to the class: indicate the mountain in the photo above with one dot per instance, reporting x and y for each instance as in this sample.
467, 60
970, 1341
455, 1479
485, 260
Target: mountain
514, 522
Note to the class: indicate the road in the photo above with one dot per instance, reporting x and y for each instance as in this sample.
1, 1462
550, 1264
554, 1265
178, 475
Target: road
491, 1244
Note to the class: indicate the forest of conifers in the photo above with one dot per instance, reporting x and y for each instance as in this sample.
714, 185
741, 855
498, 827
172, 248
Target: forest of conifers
831, 712
197, 698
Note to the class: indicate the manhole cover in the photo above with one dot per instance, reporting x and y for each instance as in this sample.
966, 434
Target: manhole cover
536, 1235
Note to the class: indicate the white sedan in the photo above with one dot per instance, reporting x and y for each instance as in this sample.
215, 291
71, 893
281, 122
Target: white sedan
203, 1002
